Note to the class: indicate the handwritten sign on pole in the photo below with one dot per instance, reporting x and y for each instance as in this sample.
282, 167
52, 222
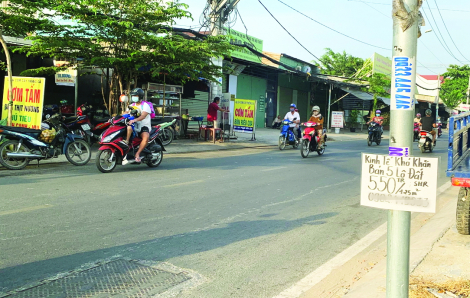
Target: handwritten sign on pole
399, 183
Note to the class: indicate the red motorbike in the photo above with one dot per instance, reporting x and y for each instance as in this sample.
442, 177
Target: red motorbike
311, 140
416, 131
114, 149
86, 125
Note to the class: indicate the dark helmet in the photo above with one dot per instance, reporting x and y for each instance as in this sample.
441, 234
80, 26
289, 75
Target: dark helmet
428, 112
138, 92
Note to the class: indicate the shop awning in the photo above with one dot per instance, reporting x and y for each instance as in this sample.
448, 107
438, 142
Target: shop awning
365, 95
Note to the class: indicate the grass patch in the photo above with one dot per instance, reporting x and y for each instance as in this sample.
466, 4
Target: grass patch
419, 288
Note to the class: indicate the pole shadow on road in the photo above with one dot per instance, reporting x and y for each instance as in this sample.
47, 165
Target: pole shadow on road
160, 249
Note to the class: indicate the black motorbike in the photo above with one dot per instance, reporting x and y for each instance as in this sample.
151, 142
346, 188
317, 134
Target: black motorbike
169, 133
20, 145
375, 134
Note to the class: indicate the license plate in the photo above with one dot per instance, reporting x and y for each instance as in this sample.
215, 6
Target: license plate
86, 127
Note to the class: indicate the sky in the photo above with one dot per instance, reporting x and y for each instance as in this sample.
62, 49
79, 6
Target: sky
368, 21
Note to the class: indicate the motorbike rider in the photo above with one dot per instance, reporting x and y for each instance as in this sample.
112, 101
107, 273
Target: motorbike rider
418, 118
427, 124
318, 119
142, 122
379, 120
291, 115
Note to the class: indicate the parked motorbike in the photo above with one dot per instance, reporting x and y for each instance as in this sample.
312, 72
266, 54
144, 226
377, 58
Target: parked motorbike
24, 144
114, 149
310, 140
416, 132
168, 133
87, 124
49, 111
66, 109
425, 142
375, 134
287, 136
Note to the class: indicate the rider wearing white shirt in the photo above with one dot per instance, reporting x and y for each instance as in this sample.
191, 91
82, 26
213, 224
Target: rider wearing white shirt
291, 116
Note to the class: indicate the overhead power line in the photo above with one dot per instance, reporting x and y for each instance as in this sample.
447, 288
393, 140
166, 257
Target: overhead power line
377, 3
288, 31
443, 42
332, 28
448, 31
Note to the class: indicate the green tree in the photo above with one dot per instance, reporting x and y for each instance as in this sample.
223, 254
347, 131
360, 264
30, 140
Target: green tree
340, 64
455, 85
452, 99
131, 37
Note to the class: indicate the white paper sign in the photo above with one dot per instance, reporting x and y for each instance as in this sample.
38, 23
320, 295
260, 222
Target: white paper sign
337, 119
399, 183
403, 83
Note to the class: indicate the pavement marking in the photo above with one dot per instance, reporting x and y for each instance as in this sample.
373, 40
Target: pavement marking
25, 209
273, 169
339, 260
184, 183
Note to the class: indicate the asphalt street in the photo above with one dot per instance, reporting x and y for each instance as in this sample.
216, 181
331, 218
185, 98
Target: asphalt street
252, 222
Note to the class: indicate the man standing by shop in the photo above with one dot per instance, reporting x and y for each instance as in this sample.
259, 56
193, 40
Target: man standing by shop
294, 116
212, 112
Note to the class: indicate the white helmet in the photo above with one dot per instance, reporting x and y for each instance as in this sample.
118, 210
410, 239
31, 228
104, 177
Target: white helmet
316, 108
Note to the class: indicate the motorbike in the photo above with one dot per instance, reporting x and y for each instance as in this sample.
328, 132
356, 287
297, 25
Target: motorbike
114, 150
87, 125
168, 133
439, 130
310, 140
49, 110
66, 109
416, 132
375, 134
425, 142
287, 136
24, 144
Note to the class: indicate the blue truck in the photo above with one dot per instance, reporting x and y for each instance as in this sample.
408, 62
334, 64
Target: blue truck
458, 167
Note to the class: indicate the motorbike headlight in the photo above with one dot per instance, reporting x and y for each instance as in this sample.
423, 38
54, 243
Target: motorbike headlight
109, 138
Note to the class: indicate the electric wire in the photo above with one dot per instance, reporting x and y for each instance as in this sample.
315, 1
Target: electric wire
246, 34
448, 31
329, 27
288, 31
430, 51
443, 42
366, 3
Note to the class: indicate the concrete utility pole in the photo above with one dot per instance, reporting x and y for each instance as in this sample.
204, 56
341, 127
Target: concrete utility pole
405, 39
220, 11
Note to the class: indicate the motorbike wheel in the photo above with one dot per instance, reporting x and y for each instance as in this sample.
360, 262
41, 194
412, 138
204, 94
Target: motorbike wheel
378, 141
13, 163
166, 137
422, 149
156, 162
304, 149
78, 153
103, 163
369, 142
296, 144
282, 143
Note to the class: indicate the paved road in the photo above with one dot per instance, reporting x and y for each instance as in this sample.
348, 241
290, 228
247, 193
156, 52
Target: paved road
251, 222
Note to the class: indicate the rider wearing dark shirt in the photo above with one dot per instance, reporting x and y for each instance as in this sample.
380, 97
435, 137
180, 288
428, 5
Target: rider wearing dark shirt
427, 124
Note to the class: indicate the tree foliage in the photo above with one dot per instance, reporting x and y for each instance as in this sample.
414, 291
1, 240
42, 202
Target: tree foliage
130, 37
454, 87
340, 64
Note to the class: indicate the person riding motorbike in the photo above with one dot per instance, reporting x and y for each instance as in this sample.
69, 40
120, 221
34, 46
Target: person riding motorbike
427, 124
379, 120
291, 115
142, 122
418, 118
318, 119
